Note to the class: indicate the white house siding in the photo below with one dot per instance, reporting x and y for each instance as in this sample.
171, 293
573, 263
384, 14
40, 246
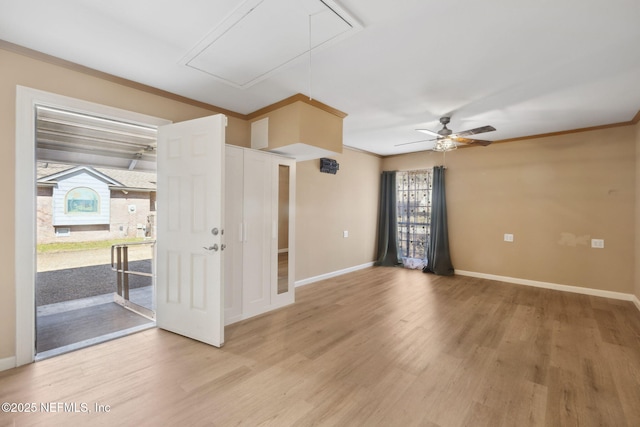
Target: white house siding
80, 179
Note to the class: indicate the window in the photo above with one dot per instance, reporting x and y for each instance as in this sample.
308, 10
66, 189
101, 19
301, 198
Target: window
63, 231
414, 215
82, 200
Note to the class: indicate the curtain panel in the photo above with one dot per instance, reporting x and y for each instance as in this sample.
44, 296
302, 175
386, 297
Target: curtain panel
438, 257
387, 225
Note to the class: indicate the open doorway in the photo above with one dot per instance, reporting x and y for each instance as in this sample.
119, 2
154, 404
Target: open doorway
95, 229
104, 155
199, 147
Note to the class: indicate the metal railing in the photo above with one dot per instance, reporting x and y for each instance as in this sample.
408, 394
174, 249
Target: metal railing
120, 264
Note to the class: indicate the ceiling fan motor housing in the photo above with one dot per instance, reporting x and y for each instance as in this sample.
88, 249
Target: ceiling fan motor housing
445, 131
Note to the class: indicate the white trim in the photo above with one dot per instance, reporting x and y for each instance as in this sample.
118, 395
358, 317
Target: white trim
110, 181
25, 211
636, 301
7, 363
314, 279
554, 286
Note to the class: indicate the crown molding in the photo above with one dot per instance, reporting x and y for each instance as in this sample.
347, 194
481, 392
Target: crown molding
298, 97
631, 122
359, 150
34, 54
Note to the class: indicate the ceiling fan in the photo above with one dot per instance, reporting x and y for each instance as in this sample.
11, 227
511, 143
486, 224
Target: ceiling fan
447, 140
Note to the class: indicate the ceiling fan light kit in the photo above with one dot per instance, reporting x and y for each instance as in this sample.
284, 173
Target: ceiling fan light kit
444, 144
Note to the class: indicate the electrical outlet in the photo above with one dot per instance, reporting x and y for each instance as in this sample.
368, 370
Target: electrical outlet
345, 233
508, 237
597, 243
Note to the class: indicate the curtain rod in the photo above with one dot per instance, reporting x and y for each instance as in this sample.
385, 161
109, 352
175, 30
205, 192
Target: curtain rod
415, 170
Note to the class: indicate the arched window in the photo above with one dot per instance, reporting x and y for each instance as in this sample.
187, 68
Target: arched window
82, 200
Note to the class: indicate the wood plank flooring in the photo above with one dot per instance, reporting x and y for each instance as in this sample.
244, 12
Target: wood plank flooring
377, 347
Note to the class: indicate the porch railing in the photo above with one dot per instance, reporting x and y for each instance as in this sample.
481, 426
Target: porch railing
120, 264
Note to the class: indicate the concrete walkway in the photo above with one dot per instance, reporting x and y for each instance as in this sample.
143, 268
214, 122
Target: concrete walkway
75, 294
71, 275
82, 282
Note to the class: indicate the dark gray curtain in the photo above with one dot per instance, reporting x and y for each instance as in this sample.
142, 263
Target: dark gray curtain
387, 223
438, 258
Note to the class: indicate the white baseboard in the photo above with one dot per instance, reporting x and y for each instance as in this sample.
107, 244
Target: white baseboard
314, 279
7, 363
554, 286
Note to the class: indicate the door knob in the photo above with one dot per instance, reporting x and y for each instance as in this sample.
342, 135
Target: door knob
211, 248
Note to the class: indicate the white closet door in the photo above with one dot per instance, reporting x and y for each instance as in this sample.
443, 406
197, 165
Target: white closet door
258, 233
234, 195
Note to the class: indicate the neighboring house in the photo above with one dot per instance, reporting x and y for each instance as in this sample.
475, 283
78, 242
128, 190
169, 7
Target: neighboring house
82, 203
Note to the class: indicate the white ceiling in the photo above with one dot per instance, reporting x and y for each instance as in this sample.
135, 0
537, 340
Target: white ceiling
526, 67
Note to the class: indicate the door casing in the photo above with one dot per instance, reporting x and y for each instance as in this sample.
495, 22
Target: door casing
25, 207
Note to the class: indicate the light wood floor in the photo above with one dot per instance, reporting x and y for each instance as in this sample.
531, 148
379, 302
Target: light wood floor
381, 346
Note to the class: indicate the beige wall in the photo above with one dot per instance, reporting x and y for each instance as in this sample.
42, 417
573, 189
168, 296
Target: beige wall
320, 246
637, 216
549, 192
329, 204
36, 74
554, 194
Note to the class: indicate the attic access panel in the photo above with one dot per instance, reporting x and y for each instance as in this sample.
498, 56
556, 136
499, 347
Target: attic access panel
262, 36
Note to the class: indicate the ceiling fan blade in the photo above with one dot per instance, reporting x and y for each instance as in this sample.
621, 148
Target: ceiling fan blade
430, 132
414, 142
476, 131
472, 141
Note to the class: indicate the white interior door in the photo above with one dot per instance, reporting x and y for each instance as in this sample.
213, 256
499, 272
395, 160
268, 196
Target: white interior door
190, 236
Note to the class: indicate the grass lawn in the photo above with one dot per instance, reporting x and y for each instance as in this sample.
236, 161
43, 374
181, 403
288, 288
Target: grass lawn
83, 246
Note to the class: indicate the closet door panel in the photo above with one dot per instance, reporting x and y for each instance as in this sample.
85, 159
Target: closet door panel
234, 195
258, 216
283, 289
